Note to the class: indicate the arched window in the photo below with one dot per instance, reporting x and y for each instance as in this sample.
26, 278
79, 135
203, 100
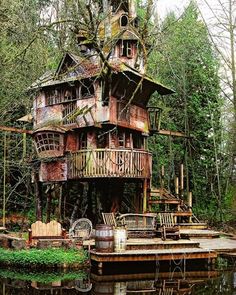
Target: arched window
49, 144
124, 21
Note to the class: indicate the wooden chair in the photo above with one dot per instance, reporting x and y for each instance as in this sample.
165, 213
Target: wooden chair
109, 219
81, 229
167, 291
51, 230
168, 227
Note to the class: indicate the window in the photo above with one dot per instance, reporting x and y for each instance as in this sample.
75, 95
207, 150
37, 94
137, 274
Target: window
56, 96
67, 113
124, 21
48, 141
123, 112
83, 141
87, 89
69, 93
137, 141
126, 48
101, 140
121, 139
135, 22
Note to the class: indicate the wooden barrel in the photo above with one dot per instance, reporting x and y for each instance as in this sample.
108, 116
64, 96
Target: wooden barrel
120, 238
104, 238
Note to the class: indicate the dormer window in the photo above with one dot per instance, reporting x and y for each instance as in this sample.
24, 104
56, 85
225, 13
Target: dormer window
126, 48
124, 21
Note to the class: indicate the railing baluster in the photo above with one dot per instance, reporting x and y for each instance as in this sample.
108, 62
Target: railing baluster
109, 163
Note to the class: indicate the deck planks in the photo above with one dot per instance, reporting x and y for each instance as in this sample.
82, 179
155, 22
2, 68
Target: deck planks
153, 255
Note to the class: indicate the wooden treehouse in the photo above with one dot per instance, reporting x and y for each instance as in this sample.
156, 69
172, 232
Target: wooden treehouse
92, 127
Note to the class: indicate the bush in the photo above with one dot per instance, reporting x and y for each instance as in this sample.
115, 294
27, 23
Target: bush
44, 258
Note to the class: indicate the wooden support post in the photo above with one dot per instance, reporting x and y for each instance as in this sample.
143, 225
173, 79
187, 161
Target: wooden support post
145, 187
176, 180
182, 181
137, 198
49, 202
65, 195
190, 204
162, 179
59, 192
38, 195
177, 186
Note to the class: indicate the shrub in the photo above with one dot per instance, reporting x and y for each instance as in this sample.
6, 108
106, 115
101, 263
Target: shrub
46, 257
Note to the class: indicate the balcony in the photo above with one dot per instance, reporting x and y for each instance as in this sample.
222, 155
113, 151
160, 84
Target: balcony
109, 163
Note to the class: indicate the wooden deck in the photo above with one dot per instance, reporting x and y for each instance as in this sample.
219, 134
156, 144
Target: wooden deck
152, 250
220, 245
152, 255
199, 233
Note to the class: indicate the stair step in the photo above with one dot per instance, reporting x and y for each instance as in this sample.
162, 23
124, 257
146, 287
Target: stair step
148, 245
183, 213
165, 201
193, 225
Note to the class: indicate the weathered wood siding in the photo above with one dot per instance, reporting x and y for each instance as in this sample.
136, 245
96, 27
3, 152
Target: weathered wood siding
53, 171
133, 116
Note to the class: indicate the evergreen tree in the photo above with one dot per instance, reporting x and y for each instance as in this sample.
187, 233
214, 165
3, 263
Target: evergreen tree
186, 61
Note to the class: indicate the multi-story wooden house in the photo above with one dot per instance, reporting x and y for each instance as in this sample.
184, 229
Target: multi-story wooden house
89, 127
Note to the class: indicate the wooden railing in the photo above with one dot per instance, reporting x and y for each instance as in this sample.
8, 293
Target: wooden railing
125, 163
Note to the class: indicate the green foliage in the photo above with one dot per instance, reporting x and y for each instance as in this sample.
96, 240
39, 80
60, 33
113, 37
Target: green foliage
186, 62
44, 258
41, 277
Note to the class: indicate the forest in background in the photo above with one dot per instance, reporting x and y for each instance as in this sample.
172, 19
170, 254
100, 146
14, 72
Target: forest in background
180, 53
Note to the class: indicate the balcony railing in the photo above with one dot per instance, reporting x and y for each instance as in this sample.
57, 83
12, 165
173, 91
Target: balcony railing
109, 163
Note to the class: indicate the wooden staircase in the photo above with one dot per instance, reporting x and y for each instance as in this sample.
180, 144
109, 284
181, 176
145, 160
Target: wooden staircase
162, 200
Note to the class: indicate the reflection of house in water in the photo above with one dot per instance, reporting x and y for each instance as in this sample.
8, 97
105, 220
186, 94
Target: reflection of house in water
150, 283
91, 127
190, 282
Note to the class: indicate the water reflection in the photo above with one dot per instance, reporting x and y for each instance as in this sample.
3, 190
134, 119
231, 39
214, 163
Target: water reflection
175, 281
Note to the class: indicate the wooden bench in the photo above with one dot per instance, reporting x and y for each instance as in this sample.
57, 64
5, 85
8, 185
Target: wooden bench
139, 225
168, 227
51, 230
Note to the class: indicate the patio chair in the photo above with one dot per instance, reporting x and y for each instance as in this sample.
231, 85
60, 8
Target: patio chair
168, 227
109, 219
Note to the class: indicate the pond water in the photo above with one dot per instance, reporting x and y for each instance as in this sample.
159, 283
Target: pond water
175, 280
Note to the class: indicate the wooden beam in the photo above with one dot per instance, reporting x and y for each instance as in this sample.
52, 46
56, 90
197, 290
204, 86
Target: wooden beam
172, 133
16, 130
145, 186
